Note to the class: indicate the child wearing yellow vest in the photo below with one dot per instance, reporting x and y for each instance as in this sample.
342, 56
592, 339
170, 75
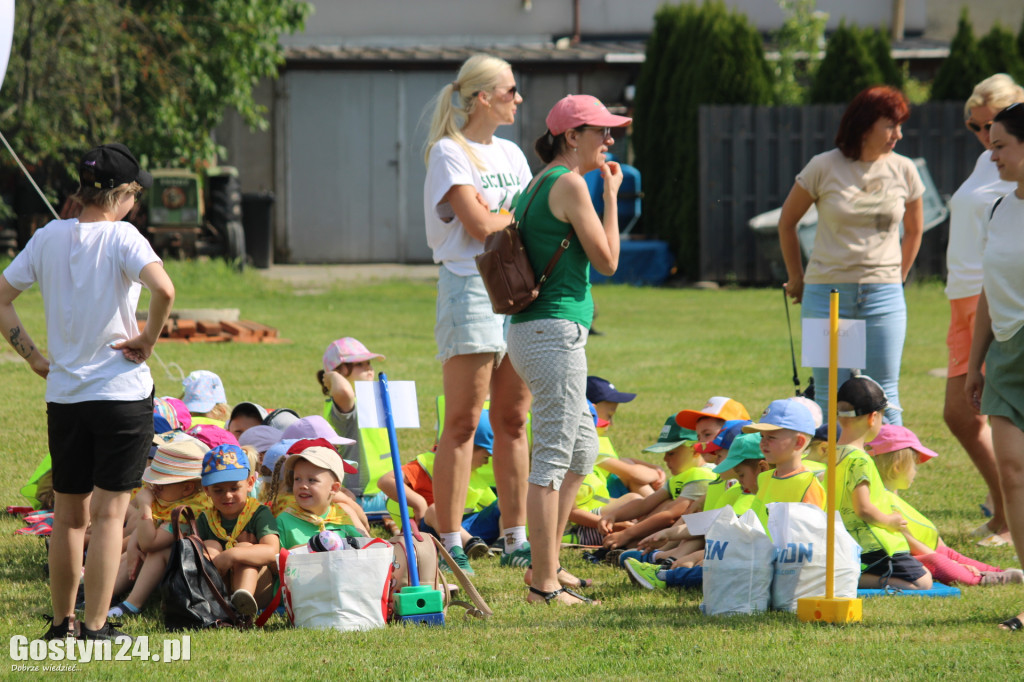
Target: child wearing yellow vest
239, 533
171, 480
885, 555
897, 451
786, 428
683, 491
619, 474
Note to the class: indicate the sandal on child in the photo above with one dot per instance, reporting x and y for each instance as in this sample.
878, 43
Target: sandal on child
553, 596
1011, 625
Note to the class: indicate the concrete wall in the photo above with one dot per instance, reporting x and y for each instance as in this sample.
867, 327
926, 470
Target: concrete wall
943, 15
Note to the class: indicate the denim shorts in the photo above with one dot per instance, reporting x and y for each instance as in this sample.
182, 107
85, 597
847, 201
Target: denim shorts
466, 324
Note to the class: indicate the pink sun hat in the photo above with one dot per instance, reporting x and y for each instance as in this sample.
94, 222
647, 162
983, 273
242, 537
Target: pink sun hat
346, 350
573, 111
892, 438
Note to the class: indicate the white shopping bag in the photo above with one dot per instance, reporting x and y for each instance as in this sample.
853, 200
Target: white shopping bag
345, 589
737, 565
799, 534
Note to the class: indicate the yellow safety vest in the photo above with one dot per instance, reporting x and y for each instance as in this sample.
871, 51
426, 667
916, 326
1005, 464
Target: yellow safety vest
716, 489
790, 489
478, 496
375, 450
679, 481
593, 493
919, 525
870, 537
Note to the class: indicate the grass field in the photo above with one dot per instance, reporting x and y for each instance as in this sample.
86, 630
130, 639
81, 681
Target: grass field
675, 348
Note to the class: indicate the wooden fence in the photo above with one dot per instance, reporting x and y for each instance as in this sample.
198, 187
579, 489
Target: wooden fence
749, 157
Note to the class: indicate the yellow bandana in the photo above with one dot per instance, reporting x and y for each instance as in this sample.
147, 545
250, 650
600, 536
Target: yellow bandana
199, 502
336, 516
230, 540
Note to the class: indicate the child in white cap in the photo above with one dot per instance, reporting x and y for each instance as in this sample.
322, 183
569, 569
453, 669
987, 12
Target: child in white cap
205, 398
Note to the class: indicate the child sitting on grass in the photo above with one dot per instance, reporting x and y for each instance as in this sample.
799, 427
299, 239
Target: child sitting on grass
205, 398
314, 476
682, 492
897, 452
885, 554
171, 480
239, 533
419, 495
620, 475
710, 419
786, 429
744, 462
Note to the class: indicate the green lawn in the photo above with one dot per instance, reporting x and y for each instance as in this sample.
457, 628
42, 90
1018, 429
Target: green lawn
675, 348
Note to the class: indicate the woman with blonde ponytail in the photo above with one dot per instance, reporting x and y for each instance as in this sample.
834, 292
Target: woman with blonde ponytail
473, 181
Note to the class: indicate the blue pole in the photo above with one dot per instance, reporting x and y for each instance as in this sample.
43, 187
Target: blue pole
396, 462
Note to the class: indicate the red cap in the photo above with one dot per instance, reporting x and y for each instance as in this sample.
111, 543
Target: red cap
573, 111
305, 443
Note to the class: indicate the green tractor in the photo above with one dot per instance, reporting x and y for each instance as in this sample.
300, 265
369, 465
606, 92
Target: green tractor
187, 220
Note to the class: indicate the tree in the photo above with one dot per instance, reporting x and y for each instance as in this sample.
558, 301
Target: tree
963, 68
848, 67
155, 74
881, 50
999, 51
799, 40
698, 55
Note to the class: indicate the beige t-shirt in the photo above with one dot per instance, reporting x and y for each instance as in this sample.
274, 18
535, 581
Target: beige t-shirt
860, 206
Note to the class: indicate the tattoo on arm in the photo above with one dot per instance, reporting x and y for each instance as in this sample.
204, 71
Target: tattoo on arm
19, 346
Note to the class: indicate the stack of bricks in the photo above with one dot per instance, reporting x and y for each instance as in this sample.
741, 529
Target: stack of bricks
214, 331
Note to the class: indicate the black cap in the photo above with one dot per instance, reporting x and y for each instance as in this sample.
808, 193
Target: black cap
111, 165
600, 390
863, 394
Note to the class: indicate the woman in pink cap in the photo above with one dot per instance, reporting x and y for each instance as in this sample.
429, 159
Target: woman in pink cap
547, 341
473, 180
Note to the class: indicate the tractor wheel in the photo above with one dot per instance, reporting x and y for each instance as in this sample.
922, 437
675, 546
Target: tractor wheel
224, 193
234, 244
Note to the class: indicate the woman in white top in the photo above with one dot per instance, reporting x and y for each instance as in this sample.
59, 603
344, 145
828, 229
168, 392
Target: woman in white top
969, 209
862, 189
473, 180
998, 339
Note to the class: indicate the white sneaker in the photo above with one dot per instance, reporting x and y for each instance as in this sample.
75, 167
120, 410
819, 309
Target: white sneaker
245, 603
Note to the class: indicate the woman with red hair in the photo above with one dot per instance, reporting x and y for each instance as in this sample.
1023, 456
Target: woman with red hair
862, 190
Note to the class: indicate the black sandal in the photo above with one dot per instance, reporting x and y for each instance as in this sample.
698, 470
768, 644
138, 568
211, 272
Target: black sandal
551, 596
1011, 625
584, 582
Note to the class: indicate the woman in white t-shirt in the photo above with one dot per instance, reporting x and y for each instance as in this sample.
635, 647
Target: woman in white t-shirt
998, 339
473, 180
862, 190
968, 211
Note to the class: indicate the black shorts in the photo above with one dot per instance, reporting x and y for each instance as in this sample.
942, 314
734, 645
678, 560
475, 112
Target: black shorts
99, 443
902, 564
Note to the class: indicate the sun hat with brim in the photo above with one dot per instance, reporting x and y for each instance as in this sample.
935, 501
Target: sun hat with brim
892, 438
315, 426
260, 437
175, 462
573, 111
717, 407
298, 446
347, 350
325, 458
671, 437
203, 391
745, 446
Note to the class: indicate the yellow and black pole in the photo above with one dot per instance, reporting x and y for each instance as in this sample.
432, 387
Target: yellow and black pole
828, 609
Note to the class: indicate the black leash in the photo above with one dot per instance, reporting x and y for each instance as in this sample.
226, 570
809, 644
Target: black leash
792, 349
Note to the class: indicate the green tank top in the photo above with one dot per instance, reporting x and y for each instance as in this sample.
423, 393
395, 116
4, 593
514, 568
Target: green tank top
566, 293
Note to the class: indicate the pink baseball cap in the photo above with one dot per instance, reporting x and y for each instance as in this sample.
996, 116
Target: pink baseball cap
573, 111
892, 438
347, 349
213, 435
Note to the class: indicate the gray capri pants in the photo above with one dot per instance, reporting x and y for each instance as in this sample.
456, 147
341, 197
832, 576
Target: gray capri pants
550, 356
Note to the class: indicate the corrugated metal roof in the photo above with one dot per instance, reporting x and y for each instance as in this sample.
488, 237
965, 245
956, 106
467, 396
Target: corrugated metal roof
585, 52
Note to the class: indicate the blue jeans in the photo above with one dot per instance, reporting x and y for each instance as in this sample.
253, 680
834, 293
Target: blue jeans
884, 309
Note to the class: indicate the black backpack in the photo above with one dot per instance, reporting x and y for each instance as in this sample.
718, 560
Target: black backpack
192, 591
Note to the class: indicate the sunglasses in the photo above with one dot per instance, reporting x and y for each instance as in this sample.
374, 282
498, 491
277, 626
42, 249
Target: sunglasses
605, 132
978, 128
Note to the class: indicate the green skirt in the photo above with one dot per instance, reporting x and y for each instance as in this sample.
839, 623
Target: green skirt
1004, 380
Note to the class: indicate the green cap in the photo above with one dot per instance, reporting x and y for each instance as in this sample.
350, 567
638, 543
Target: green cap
672, 436
747, 446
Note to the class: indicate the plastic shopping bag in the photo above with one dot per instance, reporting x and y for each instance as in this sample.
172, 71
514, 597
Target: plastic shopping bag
737, 565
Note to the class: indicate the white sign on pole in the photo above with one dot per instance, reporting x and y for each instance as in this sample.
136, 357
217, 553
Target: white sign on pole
370, 406
852, 343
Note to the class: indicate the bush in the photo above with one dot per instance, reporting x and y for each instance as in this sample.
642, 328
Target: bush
881, 50
999, 51
696, 55
848, 67
963, 68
